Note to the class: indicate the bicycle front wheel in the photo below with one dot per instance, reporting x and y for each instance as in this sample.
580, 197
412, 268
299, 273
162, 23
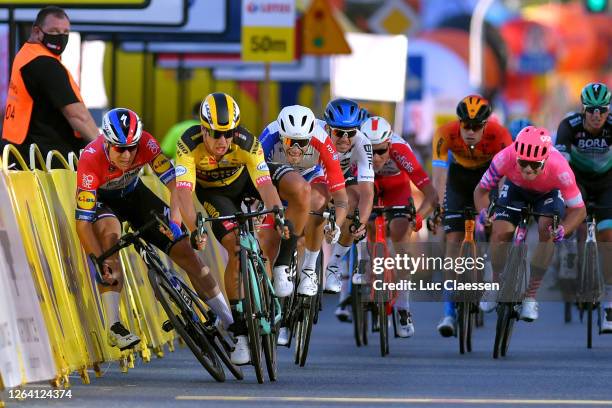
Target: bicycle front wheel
183, 321
252, 312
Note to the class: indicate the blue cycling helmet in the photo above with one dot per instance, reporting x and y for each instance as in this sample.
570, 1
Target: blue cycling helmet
363, 115
343, 113
517, 125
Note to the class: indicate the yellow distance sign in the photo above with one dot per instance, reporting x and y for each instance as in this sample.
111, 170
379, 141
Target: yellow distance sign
268, 44
77, 3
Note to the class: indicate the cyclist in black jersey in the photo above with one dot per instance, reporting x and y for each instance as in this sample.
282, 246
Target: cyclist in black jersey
584, 139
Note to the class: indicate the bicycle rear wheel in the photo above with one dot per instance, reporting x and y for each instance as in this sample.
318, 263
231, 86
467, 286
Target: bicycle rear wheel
503, 316
183, 322
269, 313
383, 327
356, 302
252, 313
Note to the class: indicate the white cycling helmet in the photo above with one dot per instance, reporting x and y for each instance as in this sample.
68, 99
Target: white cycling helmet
377, 129
296, 122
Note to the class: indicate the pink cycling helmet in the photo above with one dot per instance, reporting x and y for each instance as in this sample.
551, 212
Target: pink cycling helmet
533, 144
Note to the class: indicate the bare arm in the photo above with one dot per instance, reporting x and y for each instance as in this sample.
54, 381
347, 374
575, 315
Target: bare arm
430, 200
341, 203
269, 196
181, 204
439, 175
481, 198
573, 218
366, 199
80, 119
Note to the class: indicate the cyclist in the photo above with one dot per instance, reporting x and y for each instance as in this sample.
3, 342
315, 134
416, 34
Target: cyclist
343, 117
537, 174
516, 125
473, 140
395, 166
297, 139
223, 163
109, 191
584, 139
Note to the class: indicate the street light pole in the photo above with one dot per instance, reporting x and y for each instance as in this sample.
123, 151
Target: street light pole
476, 43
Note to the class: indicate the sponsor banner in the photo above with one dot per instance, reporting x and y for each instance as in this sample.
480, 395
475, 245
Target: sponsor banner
268, 30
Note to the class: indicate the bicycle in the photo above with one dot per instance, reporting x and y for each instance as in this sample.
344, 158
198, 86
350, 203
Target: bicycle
184, 309
591, 280
467, 303
514, 278
261, 307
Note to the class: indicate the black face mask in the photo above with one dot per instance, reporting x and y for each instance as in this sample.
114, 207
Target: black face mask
56, 43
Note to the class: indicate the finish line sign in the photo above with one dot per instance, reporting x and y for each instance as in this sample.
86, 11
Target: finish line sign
268, 30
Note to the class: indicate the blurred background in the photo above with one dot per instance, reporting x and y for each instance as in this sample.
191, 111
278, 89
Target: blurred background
531, 58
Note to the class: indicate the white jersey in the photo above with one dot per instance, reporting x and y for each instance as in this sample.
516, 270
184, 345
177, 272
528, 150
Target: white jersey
358, 159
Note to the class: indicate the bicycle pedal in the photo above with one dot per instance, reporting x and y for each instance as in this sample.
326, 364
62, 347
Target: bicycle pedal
167, 326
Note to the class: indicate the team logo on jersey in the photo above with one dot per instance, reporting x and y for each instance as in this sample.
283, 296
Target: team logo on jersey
153, 146
87, 180
180, 170
86, 200
161, 164
565, 178
263, 166
90, 150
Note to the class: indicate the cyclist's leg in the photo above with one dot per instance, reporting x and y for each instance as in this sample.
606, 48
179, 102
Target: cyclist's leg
334, 275
542, 256
502, 232
313, 234
295, 191
107, 229
180, 251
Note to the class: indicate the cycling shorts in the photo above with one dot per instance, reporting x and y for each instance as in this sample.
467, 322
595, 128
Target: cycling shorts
392, 190
460, 185
514, 196
136, 208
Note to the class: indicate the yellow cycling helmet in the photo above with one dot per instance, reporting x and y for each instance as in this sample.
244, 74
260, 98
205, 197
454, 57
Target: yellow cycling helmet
219, 112
473, 109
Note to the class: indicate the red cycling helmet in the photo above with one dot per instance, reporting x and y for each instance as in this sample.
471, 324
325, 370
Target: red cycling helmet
533, 144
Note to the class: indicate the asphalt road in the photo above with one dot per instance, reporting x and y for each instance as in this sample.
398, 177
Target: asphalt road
548, 365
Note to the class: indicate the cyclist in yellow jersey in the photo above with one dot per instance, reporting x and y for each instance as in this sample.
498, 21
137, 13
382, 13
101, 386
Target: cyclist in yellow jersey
223, 163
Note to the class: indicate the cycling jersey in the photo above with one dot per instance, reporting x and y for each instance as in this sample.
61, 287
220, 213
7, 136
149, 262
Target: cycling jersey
556, 174
402, 159
195, 163
319, 153
448, 138
587, 153
99, 179
358, 159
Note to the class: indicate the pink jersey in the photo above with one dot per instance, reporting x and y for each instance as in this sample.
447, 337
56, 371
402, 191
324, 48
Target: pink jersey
557, 174
401, 158
98, 178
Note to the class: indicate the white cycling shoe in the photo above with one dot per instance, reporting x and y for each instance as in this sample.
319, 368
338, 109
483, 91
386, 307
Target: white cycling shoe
241, 355
406, 326
446, 327
283, 337
282, 285
488, 304
120, 337
309, 283
529, 310
333, 281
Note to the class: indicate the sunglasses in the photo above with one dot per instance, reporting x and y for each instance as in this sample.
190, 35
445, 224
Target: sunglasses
380, 152
592, 109
301, 143
535, 165
473, 126
218, 134
340, 133
121, 149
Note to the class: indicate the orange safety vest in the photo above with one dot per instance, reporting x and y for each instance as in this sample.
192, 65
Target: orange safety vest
19, 102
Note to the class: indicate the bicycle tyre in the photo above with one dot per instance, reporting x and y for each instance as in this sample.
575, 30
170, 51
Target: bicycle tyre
269, 340
463, 314
589, 307
356, 304
215, 341
473, 310
508, 331
364, 322
383, 327
251, 314
309, 314
192, 335
503, 313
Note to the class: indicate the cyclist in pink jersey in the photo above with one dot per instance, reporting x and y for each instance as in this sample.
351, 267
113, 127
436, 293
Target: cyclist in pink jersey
536, 174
